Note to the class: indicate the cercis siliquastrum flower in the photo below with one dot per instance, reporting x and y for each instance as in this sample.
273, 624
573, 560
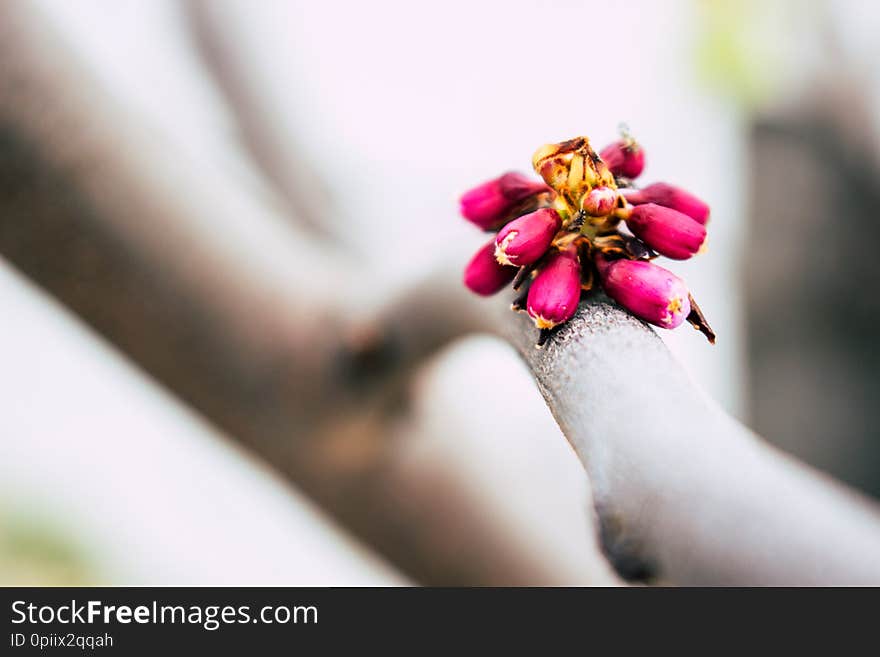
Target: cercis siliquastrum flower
497, 201
587, 226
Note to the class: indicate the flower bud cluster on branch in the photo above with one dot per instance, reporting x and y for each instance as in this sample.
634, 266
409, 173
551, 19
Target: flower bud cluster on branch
587, 225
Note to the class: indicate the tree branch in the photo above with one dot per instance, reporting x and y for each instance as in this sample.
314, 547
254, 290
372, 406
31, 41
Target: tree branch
684, 493
266, 125
207, 287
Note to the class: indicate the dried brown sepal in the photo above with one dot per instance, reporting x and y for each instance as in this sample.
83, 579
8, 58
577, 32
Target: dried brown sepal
553, 161
585, 249
604, 226
638, 249
698, 320
520, 300
615, 242
587, 275
527, 273
522, 276
543, 336
571, 168
612, 246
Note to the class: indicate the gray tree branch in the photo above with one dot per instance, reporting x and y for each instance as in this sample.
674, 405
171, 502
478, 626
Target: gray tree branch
684, 493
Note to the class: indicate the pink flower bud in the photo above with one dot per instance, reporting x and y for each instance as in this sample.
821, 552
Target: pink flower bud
624, 158
556, 290
599, 202
524, 240
669, 196
667, 231
649, 292
492, 204
484, 275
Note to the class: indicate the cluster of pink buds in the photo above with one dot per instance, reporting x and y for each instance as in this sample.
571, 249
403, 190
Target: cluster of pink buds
587, 225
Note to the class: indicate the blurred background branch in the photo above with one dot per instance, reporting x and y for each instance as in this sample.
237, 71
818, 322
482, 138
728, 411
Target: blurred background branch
124, 233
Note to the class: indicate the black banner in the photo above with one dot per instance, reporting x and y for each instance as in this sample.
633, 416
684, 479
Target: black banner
152, 620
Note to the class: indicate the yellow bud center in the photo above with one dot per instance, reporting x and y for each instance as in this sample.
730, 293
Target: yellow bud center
544, 323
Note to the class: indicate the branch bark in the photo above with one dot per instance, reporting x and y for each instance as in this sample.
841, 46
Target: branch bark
684, 493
